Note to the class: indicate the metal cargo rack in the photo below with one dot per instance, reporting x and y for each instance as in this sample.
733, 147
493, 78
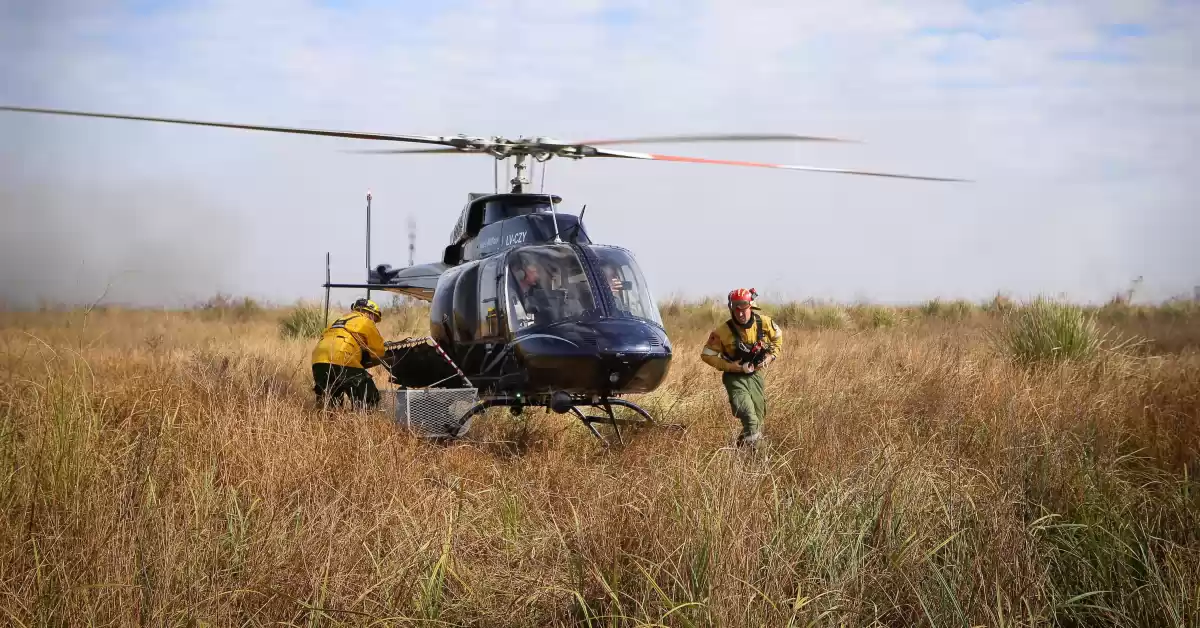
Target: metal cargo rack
432, 411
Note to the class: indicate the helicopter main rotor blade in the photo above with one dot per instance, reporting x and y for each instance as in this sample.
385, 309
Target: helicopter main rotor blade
661, 139
402, 151
421, 139
727, 162
723, 137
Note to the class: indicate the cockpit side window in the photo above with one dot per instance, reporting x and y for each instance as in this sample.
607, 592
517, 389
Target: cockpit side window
489, 305
546, 284
624, 279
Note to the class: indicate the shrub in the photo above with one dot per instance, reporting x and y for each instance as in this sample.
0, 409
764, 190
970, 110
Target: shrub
683, 314
955, 310
999, 304
222, 307
873, 316
830, 317
1180, 310
933, 308
791, 314
303, 322
1045, 331
808, 314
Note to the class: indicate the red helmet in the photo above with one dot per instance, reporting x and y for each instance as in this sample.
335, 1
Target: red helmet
741, 298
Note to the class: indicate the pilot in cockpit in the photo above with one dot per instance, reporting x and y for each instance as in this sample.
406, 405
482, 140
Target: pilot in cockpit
531, 301
612, 278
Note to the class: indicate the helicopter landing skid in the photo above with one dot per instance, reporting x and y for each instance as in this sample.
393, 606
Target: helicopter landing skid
611, 419
604, 405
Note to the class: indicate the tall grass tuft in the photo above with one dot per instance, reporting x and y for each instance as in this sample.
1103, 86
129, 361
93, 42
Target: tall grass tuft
791, 314
867, 316
808, 314
222, 307
956, 310
999, 304
1046, 331
304, 321
830, 317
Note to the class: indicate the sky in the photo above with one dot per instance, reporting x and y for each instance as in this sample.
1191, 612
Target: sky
1078, 123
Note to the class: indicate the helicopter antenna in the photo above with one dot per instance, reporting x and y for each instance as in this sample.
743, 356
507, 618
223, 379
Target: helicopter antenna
368, 241
579, 224
554, 216
553, 213
543, 187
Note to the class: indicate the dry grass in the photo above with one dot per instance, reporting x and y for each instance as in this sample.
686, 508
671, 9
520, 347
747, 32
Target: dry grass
166, 468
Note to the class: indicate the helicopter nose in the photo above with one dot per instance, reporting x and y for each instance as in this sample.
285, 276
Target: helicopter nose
617, 356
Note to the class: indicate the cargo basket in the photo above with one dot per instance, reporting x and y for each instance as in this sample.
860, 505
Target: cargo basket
435, 412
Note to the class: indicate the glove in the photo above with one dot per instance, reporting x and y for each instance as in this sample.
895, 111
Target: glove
747, 368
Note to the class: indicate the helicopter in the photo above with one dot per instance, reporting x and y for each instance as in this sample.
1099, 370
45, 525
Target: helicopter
526, 310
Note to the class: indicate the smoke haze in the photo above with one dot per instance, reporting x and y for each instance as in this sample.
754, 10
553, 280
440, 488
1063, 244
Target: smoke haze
1076, 120
142, 245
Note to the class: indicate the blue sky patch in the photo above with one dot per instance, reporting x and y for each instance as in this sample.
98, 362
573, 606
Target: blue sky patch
1125, 30
940, 31
980, 6
619, 17
142, 8
1096, 56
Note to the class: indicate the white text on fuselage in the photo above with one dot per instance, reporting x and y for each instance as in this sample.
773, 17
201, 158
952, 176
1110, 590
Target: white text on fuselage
515, 238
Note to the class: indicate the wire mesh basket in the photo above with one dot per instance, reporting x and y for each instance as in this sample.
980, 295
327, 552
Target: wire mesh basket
435, 412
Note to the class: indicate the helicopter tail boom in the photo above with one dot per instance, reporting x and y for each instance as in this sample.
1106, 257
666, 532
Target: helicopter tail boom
419, 292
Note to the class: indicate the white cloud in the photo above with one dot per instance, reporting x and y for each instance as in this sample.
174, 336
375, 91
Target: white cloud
1082, 162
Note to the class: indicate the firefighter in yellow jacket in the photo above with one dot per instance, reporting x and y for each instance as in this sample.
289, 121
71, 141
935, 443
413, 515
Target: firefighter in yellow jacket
741, 349
348, 347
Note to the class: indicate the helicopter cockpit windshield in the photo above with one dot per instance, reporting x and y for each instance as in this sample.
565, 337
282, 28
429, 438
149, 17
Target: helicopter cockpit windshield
629, 287
546, 284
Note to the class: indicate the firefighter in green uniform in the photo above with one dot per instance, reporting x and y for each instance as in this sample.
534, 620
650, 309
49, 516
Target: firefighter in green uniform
741, 349
348, 347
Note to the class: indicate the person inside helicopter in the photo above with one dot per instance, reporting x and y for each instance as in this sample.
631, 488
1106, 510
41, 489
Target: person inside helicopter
547, 285
531, 300
628, 287
612, 278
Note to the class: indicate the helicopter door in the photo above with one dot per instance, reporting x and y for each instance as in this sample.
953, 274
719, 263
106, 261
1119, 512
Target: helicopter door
464, 306
490, 328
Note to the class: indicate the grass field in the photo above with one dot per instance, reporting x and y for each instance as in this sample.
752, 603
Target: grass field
945, 464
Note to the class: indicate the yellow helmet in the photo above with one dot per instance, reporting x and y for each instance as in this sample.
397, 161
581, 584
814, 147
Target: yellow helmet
368, 306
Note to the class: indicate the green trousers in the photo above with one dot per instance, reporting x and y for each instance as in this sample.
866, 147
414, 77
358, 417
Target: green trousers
747, 399
335, 381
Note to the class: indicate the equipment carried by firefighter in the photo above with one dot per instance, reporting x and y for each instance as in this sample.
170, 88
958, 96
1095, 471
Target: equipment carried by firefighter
744, 353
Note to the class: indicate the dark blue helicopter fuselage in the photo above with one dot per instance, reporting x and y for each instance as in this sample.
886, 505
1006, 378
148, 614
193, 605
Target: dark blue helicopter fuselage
601, 355
601, 351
